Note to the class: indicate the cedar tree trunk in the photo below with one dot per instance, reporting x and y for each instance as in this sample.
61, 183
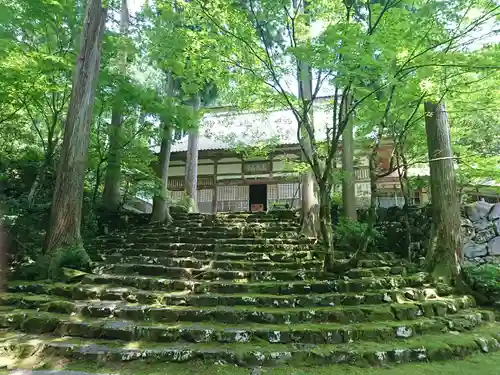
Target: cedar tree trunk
66, 212
111, 195
444, 254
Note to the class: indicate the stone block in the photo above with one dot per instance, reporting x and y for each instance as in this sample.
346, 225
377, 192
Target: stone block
478, 210
485, 235
494, 246
496, 225
495, 212
482, 224
473, 250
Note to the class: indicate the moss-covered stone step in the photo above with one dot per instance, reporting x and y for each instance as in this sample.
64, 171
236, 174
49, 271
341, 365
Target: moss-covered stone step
243, 314
207, 240
188, 226
278, 256
445, 346
168, 235
235, 217
211, 274
213, 246
261, 265
23, 295
357, 273
295, 287
233, 229
326, 333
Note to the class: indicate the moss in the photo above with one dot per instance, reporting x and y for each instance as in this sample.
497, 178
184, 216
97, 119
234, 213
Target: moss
74, 257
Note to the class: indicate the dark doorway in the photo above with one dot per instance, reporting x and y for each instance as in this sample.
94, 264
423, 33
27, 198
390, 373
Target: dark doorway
258, 198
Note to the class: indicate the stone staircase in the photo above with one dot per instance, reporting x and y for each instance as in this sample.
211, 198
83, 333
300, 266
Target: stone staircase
244, 289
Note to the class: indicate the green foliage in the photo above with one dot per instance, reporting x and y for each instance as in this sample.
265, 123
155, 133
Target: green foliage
74, 257
485, 279
349, 234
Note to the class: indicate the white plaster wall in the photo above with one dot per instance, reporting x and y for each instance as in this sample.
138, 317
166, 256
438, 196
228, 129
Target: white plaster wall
205, 169
176, 171
229, 168
282, 166
177, 162
224, 160
285, 156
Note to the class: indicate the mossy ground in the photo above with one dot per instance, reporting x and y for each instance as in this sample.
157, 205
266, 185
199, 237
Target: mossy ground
478, 364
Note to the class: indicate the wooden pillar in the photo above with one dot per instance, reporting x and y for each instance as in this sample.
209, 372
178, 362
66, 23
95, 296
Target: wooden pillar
214, 195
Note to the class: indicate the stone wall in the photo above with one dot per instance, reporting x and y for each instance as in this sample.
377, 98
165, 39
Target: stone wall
481, 232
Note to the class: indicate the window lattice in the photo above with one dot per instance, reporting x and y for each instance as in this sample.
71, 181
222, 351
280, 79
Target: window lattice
205, 195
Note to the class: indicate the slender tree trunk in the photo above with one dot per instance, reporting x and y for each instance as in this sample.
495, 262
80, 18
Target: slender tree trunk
4, 264
48, 162
405, 190
444, 254
161, 212
348, 178
325, 224
191, 181
309, 205
112, 196
372, 211
66, 212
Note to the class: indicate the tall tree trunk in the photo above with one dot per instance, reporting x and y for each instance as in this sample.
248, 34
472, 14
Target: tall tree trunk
372, 211
111, 194
309, 203
405, 190
191, 181
444, 254
4, 264
161, 212
325, 225
348, 178
66, 212
310, 207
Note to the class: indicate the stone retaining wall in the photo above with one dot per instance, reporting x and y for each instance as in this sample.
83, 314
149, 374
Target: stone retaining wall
481, 232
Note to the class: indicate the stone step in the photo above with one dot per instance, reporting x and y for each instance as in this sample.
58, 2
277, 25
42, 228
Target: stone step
327, 333
216, 227
295, 287
278, 226
144, 269
357, 273
278, 256
234, 248
165, 236
216, 274
30, 295
186, 239
249, 314
234, 217
443, 346
234, 261
263, 265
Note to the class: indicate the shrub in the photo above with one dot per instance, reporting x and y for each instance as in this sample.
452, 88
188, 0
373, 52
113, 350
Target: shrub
485, 280
350, 235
